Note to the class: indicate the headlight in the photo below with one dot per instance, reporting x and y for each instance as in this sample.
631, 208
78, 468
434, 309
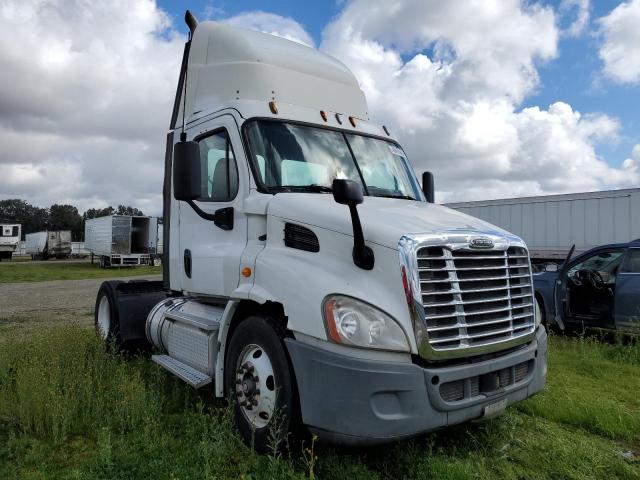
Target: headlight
538, 313
352, 322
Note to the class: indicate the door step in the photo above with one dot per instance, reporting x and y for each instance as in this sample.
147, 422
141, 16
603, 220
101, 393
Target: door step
193, 377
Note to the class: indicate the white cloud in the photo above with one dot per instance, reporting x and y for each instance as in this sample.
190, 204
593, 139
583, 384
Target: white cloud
87, 88
274, 24
620, 50
450, 79
86, 94
579, 9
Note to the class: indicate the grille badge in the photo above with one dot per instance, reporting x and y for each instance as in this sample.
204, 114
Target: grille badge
481, 242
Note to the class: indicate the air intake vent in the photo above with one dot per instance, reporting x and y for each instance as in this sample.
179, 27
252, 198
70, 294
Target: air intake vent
297, 236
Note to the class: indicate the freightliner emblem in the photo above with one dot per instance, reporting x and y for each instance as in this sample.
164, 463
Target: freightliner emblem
481, 242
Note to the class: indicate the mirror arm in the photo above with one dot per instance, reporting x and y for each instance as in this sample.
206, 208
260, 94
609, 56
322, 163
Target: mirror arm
223, 217
362, 255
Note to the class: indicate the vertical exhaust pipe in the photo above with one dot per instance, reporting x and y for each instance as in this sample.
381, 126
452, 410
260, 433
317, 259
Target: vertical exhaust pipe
191, 21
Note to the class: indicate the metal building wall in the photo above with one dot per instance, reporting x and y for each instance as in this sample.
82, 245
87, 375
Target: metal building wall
551, 224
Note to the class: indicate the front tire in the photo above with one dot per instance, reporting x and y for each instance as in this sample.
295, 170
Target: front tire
260, 381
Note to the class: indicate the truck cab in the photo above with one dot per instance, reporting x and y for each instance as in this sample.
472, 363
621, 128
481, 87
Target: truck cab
307, 275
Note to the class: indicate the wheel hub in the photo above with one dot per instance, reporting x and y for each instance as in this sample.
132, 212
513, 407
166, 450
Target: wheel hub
255, 388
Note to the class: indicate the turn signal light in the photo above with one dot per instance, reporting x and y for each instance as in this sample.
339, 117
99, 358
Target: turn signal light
273, 107
246, 272
352, 121
323, 114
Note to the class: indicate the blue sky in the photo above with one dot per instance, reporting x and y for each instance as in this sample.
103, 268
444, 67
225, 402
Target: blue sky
573, 76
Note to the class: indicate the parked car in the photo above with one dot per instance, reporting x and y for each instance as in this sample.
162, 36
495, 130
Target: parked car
598, 289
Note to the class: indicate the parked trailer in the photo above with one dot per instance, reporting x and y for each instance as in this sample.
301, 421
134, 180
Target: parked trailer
9, 239
48, 244
78, 250
551, 224
155, 240
118, 240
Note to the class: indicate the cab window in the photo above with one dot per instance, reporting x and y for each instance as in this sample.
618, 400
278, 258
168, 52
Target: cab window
219, 171
605, 263
632, 261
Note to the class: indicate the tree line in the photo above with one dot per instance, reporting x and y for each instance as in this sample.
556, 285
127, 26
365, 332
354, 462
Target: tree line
56, 217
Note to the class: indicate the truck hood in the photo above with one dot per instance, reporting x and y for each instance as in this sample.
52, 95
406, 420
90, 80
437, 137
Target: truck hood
384, 220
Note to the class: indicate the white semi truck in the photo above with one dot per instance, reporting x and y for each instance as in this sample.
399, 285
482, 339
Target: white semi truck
309, 278
10, 234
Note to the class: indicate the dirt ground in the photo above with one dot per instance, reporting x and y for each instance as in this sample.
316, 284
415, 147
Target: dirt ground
51, 302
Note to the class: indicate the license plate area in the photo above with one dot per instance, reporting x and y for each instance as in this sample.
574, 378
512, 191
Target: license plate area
494, 409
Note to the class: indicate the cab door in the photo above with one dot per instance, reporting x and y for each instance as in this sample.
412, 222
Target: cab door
627, 301
211, 241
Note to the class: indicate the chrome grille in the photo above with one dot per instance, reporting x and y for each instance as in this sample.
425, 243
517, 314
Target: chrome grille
473, 298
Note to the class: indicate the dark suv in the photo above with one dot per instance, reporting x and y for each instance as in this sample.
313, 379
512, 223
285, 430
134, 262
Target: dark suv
597, 289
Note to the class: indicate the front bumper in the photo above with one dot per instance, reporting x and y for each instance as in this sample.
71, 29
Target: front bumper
362, 402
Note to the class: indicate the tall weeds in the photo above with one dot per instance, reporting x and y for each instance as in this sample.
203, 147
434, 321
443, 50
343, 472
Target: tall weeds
61, 382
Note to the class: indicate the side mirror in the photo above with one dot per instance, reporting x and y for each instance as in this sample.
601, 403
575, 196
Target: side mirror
186, 171
348, 192
427, 186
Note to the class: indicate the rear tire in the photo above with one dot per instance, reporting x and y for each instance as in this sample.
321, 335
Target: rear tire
107, 321
260, 381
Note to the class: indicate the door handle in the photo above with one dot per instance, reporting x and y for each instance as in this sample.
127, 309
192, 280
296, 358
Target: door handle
187, 263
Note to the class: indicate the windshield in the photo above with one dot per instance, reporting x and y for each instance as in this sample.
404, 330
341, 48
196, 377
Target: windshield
290, 157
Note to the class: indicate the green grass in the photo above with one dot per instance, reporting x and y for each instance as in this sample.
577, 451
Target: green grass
70, 411
39, 272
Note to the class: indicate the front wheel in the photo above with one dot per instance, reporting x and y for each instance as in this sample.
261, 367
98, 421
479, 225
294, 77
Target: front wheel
260, 381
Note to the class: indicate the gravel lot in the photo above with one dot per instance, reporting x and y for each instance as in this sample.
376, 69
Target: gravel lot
53, 299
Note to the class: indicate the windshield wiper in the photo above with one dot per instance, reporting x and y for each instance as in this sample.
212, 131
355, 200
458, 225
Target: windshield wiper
302, 188
389, 195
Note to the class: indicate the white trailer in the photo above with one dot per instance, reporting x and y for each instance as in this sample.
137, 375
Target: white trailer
9, 239
551, 224
155, 240
78, 250
48, 244
118, 240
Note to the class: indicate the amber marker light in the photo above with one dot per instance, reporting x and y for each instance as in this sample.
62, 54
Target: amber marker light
273, 107
352, 121
331, 321
246, 272
323, 114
